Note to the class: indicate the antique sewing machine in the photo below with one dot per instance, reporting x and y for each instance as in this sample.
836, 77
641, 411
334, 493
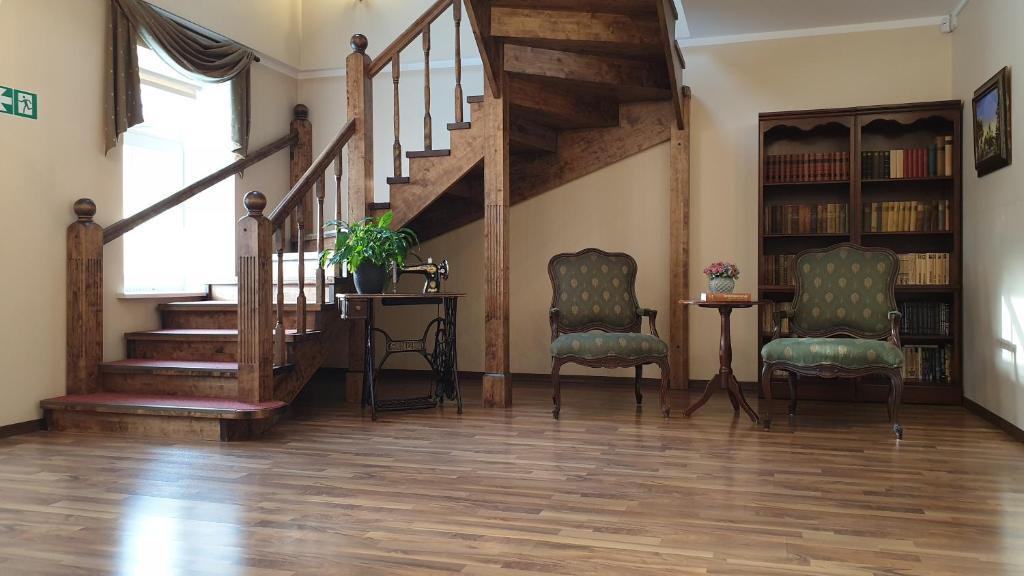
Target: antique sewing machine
431, 271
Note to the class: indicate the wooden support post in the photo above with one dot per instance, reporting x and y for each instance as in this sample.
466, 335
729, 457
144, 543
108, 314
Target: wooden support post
255, 303
679, 247
360, 186
301, 160
85, 301
497, 385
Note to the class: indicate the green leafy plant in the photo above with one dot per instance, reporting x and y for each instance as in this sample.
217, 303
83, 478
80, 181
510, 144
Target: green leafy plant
370, 239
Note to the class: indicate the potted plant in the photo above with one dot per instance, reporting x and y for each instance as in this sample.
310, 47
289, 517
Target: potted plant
722, 277
371, 249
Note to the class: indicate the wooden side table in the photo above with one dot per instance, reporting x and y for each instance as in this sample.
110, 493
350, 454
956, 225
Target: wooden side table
725, 376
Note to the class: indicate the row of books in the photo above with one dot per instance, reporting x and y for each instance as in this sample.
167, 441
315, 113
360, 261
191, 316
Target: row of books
768, 318
927, 363
935, 160
806, 219
916, 268
808, 167
776, 270
927, 269
908, 216
925, 318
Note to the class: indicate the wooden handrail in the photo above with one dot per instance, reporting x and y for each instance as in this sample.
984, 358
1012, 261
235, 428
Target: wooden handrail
119, 228
298, 192
406, 38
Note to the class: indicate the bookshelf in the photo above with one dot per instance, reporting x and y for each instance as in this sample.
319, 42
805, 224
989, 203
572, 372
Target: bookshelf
885, 176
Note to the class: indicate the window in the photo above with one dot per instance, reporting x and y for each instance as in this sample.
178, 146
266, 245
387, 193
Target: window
186, 136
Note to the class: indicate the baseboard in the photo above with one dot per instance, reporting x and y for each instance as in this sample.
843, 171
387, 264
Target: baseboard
520, 377
995, 419
22, 428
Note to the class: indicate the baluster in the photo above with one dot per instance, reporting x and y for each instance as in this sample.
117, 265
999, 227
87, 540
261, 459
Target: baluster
338, 168
457, 13
321, 280
300, 300
397, 148
428, 128
279, 329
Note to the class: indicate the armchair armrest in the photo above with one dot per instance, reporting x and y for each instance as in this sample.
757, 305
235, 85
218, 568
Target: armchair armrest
553, 315
894, 327
652, 316
780, 313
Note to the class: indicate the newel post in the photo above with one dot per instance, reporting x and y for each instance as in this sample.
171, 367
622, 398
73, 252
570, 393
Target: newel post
360, 147
360, 186
255, 303
301, 160
85, 300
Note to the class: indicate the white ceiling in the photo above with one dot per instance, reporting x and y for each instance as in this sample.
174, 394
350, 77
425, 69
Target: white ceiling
718, 18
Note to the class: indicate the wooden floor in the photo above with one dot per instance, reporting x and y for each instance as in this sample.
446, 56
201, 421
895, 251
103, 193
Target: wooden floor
606, 490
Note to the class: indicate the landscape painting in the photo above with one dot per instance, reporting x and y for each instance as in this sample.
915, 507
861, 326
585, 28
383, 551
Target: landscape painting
991, 110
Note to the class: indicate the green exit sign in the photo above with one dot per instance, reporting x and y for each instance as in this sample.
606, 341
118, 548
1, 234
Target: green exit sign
18, 103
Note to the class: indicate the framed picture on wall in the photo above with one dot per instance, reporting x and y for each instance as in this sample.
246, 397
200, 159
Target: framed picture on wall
991, 110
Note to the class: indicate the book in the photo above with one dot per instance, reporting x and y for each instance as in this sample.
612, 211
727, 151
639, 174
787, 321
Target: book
931, 161
806, 219
807, 167
923, 269
908, 216
725, 297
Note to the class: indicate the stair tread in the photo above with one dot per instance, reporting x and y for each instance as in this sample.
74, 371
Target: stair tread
163, 404
429, 153
224, 305
136, 364
475, 99
226, 334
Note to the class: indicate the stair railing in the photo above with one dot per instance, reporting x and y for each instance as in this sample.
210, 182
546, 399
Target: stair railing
391, 55
85, 241
262, 331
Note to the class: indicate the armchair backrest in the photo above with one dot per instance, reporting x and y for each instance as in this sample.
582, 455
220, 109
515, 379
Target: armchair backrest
594, 290
844, 289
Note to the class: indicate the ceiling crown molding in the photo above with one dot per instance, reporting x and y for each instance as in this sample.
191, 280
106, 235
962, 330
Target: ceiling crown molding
819, 31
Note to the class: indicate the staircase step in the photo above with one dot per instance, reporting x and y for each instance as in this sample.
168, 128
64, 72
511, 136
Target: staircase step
428, 153
475, 99
170, 377
460, 125
374, 206
223, 314
398, 180
161, 416
216, 345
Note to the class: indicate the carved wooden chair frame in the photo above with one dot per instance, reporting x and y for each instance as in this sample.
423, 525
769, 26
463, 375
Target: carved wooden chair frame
638, 363
831, 370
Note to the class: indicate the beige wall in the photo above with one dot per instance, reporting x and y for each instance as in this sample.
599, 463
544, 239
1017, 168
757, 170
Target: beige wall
48, 163
624, 207
988, 38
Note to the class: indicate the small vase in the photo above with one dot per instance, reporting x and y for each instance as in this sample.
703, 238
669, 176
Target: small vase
369, 278
721, 285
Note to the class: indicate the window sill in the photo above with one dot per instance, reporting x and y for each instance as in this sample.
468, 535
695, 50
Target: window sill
162, 296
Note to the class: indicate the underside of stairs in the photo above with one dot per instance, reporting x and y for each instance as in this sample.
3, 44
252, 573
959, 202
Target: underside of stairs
589, 83
181, 381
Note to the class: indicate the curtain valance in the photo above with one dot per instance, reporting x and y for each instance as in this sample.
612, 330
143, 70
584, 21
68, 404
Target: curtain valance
195, 52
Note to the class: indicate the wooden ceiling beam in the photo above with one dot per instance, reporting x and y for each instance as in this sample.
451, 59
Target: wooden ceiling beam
589, 68
517, 24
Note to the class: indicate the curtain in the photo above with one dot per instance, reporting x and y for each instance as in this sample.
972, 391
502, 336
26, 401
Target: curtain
193, 51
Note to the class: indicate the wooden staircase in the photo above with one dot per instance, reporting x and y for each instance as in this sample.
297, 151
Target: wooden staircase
571, 86
588, 83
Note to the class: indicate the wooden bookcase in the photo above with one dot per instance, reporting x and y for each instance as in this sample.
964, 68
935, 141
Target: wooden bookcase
827, 137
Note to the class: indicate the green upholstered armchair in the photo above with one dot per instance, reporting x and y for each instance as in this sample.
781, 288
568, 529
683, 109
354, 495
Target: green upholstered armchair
595, 319
843, 290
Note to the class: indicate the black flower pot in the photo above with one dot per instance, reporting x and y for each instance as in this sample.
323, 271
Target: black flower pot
370, 278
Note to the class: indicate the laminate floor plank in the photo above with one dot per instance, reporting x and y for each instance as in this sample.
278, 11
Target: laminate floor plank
605, 490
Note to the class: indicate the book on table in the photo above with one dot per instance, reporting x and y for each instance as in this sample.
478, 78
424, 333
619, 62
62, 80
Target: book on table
723, 297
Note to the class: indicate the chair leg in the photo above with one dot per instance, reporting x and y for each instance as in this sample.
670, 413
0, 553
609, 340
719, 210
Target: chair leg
766, 392
897, 396
666, 374
792, 393
556, 397
636, 385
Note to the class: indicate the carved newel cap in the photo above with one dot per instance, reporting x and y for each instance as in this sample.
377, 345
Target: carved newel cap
300, 112
359, 43
85, 209
255, 202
